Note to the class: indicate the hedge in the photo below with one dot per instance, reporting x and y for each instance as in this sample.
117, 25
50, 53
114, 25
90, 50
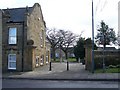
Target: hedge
108, 61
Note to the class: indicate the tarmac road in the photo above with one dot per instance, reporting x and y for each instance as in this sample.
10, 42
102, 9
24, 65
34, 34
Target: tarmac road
10, 83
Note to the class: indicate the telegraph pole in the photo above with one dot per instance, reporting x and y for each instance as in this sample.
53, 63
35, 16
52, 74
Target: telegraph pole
92, 38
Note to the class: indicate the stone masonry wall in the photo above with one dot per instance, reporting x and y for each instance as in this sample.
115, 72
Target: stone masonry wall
88, 57
0, 40
35, 30
12, 49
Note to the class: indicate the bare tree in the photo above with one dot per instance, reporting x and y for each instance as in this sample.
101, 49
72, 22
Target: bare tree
54, 39
67, 39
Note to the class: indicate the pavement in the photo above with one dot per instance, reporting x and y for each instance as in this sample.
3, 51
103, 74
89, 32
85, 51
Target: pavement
59, 72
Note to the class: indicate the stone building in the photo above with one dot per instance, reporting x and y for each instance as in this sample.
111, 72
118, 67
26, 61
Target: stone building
0, 40
59, 53
24, 45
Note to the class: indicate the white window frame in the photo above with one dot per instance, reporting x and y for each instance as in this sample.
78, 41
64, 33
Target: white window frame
15, 37
42, 38
42, 60
46, 59
37, 60
10, 61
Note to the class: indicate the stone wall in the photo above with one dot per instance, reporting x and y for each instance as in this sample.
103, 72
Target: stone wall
31, 43
0, 41
109, 53
88, 57
112, 54
12, 49
48, 53
111, 57
36, 33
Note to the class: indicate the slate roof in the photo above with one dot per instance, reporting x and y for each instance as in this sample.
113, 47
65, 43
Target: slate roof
17, 14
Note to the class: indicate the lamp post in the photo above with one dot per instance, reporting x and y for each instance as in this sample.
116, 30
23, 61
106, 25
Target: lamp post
103, 52
92, 39
102, 36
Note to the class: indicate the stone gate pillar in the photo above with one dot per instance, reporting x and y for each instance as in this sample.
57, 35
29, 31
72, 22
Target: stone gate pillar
88, 57
29, 60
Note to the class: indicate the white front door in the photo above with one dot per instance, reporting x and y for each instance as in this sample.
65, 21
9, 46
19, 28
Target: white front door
12, 61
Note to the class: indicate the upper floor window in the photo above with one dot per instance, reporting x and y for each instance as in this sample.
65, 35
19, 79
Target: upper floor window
12, 36
42, 38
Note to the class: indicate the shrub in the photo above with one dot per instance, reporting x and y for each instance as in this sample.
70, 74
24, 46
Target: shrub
118, 66
109, 61
112, 66
97, 62
82, 61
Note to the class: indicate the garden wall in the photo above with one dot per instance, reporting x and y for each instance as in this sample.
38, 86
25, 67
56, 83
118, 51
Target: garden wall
111, 57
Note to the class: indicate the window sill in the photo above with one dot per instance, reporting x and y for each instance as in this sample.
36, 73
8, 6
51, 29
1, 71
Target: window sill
12, 44
11, 68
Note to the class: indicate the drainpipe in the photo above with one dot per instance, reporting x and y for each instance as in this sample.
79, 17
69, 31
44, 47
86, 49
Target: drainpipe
23, 48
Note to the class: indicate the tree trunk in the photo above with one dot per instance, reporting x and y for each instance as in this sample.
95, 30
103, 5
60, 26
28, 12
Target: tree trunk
53, 54
77, 59
66, 55
60, 55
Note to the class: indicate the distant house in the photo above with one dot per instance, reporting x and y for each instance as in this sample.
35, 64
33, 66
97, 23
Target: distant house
106, 48
24, 45
60, 53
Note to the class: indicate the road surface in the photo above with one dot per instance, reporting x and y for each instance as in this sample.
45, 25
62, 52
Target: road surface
10, 83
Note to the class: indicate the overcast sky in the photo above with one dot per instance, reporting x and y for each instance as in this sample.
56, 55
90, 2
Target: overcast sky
74, 15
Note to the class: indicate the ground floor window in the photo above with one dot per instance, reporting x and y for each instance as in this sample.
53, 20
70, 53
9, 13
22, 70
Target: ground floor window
12, 61
42, 60
46, 59
37, 60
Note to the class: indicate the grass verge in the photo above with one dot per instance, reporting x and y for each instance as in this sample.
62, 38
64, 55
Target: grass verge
69, 59
109, 70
